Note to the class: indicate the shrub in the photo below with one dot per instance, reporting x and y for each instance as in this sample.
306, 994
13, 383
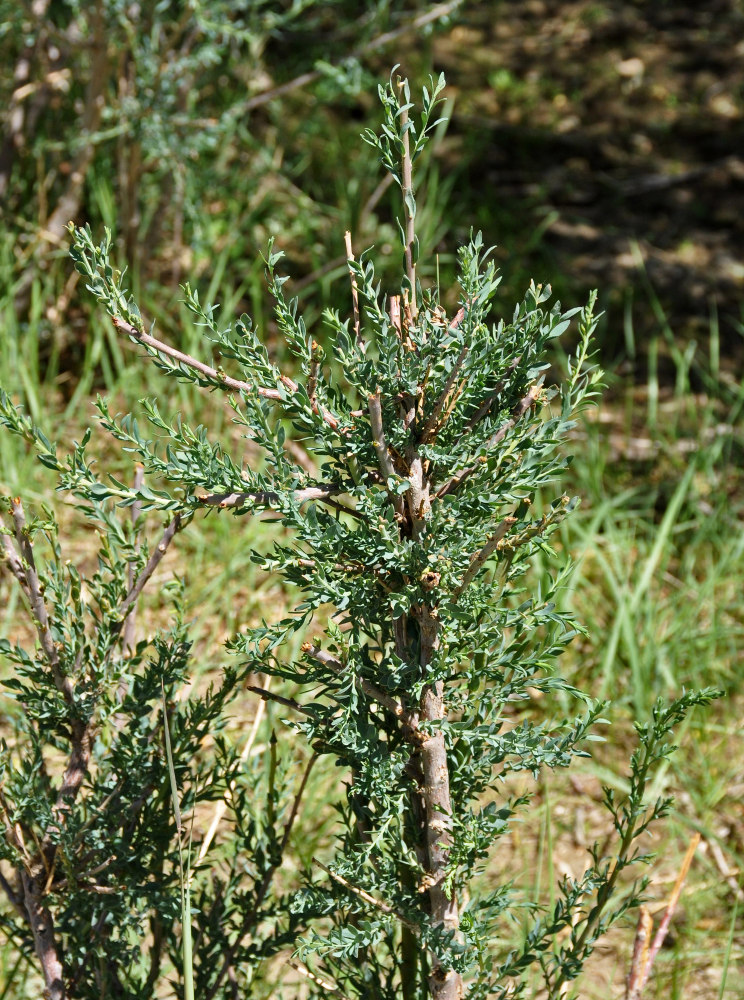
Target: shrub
405, 466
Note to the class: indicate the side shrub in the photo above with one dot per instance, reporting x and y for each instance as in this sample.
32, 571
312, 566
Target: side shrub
403, 462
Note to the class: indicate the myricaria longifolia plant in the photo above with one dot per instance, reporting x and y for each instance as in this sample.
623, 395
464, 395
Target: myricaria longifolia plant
404, 459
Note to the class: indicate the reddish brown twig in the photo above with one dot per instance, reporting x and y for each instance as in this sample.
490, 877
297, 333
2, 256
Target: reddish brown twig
217, 378
354, 288
484, 554
433, 424
525, 404
129, 630
152, 563
409, 719
640, 953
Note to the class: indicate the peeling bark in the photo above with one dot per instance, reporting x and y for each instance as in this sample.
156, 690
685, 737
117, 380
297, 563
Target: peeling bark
444, 984
42, 929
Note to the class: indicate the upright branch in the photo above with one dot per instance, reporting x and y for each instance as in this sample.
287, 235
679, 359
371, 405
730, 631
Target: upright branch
130, 622
354, 288
409, 203
23, 566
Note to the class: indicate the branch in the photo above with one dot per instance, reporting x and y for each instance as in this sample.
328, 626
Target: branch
130, 622
406, 185
152, 563
409, 720
384, 460
218, 378
312, 381
325, 984
444, 983
394, 310
353, 567
485, 553
41, 923
492, 395
671, 906
354, 288
378, 904
525, 404
432, 424
24, 570
271, 499
268, 695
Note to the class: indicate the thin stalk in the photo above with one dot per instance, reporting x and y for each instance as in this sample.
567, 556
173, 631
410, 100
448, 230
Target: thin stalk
409, 205
130, 622
186, 941
354, 288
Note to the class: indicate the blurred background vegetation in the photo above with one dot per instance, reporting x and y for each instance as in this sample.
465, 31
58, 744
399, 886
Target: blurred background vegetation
597, 144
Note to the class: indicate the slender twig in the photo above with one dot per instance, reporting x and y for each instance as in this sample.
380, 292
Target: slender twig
152, 563
30, 582
640, 953
268, 498
484, 554
487, 403
357, 567
372, 691
530, 531
217, 378
64, 883
526, 403
26, 573
432, 425
266, 695
130, 622
312, 380
394, 310
384, 460
325, 984
378, 904
354, 288
407, 196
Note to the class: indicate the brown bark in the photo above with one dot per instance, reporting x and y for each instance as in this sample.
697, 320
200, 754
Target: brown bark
42, 929
444, 984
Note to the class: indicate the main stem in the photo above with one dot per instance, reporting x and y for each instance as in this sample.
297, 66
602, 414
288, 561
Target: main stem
43, 933
444, 983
